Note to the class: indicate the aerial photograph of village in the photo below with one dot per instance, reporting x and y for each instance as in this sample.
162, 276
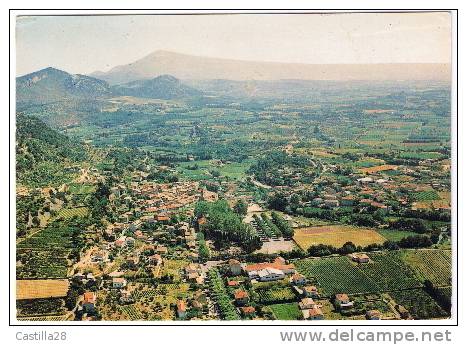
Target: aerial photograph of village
233, 167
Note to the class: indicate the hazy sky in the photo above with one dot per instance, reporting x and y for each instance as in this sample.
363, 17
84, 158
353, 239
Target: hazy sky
83, 44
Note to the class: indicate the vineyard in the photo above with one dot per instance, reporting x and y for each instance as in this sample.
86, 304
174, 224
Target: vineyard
432, 265
221, 296
389, 272
45, 254
131, 312
68, 213
385, 272
426, 196
41, 264
419, 304
336, 275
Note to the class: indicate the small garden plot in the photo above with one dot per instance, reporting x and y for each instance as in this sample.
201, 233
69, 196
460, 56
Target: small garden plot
419, 304
336, 236
286, 311
430, 264
275, 294
131, 312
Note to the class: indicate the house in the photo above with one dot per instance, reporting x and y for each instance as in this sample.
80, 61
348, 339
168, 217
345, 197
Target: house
89, 301
313, 314
196, 305
118, 282
235, 267
161, 250
361, 258
132, 261
298, 279
181, 309
307, 303
233, 283
310, 291
130, 241
98, 257
365, 180
347, 201
278, 264
248, 311
373, 315
163, 218
155, 260
241, 297
119, 243
125, 297
342, 301
331, 203
270, 274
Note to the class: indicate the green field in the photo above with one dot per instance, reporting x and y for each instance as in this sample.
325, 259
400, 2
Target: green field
286, 311
394, 234
78, 188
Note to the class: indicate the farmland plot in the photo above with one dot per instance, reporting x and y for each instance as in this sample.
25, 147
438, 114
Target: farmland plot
433, 265
389, 272
336, 236
419, 304
336, 275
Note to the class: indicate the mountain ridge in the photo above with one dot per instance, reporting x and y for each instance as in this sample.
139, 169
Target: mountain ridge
184, 66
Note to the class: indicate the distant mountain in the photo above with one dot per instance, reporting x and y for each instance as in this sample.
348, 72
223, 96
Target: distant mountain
162, 87
51, 84
184, 66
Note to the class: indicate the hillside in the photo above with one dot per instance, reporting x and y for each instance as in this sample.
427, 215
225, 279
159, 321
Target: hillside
42, 153
51, 84
162, 87
184, 66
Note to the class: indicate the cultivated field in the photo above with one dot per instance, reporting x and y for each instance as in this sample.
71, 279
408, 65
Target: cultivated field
31, 289
336, 235
385, 272
430, 264
379, 168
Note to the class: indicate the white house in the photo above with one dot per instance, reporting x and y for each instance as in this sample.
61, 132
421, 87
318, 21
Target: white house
270, 274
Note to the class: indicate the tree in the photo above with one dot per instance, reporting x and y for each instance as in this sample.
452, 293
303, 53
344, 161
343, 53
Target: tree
241, 207
348, 248
278, 201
